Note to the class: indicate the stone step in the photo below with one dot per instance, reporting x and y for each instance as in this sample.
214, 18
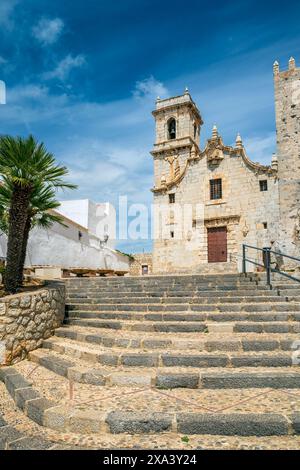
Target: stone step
172, 377
195, 288
190, 327
201, 341
167, 287
177, 300
164, 288
172, 295
288, 290
191, 280
166, 278
183, 307
191, 316
89, 410
12, 439
95, 353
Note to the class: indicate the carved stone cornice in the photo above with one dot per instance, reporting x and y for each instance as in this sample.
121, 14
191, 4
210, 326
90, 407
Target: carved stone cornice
173, 146
218, 145
217, 221
215, 151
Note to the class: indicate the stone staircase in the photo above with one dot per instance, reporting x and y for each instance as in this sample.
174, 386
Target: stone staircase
197, 354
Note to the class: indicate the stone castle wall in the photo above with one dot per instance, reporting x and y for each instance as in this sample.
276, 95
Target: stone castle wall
287, 107
27, 319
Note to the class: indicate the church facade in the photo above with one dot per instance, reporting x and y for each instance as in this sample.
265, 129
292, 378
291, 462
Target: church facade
208, 203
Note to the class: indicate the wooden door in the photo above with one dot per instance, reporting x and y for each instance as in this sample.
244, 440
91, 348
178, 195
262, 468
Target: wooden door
217, 244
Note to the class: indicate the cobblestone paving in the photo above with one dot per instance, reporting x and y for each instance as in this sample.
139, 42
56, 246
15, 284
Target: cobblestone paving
16, 418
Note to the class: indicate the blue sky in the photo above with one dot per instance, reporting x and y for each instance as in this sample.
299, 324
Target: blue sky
83, 76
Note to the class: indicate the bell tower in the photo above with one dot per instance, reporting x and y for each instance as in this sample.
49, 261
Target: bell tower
178, 124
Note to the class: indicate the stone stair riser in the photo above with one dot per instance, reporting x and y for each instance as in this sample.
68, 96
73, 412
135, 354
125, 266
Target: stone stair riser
187, 317
169, 380
173, 360
222, 307
209, 346
239, 327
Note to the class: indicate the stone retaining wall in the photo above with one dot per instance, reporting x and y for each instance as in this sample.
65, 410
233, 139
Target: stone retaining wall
27, 319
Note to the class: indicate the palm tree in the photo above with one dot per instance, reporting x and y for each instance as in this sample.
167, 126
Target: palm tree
26, 169
42, 202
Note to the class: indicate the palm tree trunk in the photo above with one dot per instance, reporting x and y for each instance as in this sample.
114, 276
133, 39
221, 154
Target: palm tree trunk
17, 221
24, 250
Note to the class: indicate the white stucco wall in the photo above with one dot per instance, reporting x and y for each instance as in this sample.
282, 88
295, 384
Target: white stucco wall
98, 218
61, 247
55, 248
76, 210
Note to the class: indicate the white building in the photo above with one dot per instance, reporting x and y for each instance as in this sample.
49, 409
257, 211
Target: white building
85, 241
98, 218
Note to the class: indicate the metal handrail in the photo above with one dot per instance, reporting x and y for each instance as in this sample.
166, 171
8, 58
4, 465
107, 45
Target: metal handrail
267, 262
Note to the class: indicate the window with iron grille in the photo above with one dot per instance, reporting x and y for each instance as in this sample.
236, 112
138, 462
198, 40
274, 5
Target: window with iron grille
263, 185
171, 198
216, 189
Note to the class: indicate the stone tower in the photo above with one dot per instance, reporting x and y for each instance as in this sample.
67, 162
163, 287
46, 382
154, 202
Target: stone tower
178, 123
287, 109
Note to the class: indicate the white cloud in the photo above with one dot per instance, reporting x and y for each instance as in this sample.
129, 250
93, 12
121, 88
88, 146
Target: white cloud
260, 148
6, 9
65, 66
150, 87
27, 92
47, 31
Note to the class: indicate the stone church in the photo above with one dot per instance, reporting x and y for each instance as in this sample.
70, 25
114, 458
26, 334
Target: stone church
209, 202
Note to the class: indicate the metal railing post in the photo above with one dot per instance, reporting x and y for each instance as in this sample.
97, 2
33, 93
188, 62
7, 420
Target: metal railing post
267, 263
244, 259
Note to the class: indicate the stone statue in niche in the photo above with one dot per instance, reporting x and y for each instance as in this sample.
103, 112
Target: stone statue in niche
174, 167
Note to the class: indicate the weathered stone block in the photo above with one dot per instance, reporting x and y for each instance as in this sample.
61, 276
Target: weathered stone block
295, 418
8, 434
14, 382
56, 364
30, 443
261, 361
177, 380
137, 423
248, 424
35, 409
147, 360
263, 345
194, 361
23, 395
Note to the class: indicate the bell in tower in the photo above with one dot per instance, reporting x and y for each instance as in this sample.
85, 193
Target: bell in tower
172, 129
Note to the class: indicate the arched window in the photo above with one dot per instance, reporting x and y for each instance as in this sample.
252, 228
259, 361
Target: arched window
172, 129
